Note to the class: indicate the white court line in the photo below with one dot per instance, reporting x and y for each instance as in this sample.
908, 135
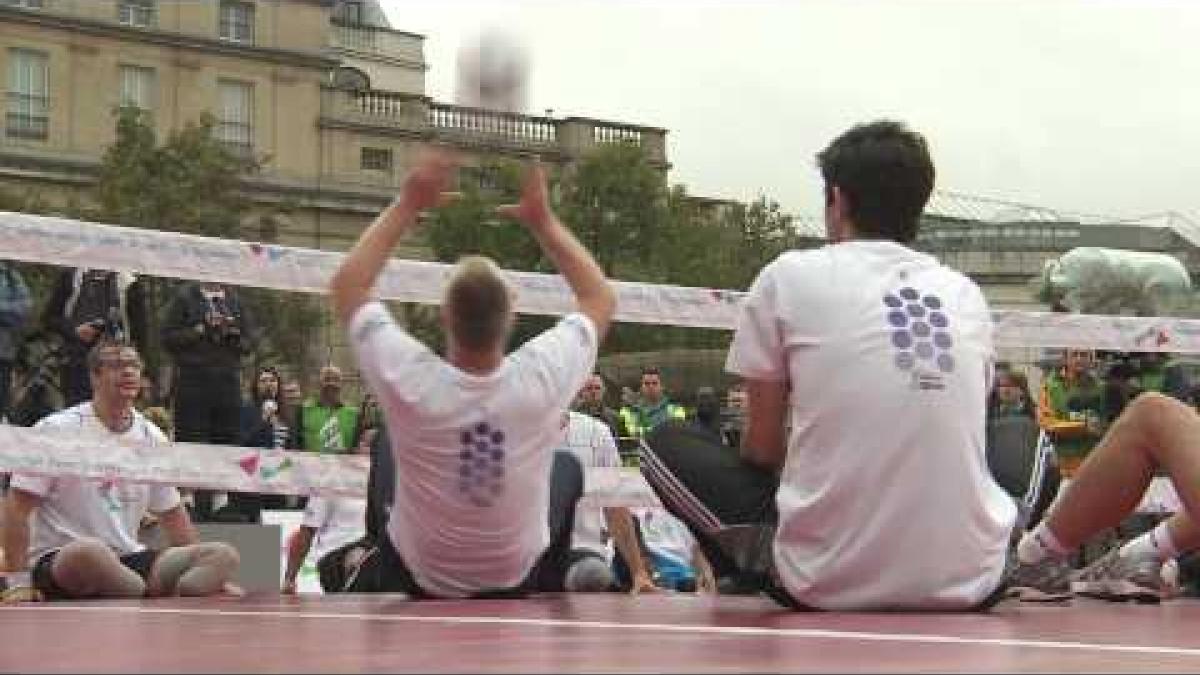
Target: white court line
745, 631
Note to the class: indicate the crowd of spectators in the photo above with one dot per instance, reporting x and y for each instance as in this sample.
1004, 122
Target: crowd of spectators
207, 333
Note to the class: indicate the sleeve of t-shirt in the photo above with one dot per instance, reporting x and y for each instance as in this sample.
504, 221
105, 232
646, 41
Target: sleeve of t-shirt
316, 512
387, 355
163, 498
757, 351
563, 357
606, 448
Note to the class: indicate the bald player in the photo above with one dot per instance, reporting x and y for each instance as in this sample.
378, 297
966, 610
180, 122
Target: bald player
483, 504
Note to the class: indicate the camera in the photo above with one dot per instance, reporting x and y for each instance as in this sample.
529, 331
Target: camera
225, 334
111, 327
732, 423
221, 325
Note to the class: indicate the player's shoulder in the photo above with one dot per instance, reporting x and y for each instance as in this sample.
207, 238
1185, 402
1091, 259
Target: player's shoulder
583, 420
72, 417
144, 427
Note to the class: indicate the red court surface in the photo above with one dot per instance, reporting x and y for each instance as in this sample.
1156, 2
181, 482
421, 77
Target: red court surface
595, 633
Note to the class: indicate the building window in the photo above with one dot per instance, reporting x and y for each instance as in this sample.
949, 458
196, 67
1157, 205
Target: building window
376, 159
490, 178
138, 88
28, 94
140, 13
235, 116
237, 21
27, 4
350, 79
350, 13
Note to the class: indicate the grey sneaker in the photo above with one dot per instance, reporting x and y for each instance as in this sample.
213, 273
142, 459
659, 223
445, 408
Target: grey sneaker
589, 575
1047, 581
1121, 578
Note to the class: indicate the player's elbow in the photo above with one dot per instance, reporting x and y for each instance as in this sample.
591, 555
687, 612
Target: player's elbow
600, 305
768, 459
346, 299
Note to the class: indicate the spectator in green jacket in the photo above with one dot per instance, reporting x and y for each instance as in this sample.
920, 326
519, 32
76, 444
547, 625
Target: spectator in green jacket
1071, 409
326, 423
651, 409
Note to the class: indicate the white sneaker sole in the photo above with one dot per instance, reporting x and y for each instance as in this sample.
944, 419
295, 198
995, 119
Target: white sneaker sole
1030, 594
1118, 590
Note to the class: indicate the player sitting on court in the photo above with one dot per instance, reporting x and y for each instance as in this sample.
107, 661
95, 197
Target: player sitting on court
1153, 432
862, 481
473, 435
83, 540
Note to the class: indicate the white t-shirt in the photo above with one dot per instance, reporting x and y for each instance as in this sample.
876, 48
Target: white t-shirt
591, 441
78, 508
337, 522
473, 452
885, 499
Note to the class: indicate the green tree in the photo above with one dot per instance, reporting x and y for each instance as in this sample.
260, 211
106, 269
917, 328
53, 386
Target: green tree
757, 232
469, 224
192, 183
620, 207
617, 204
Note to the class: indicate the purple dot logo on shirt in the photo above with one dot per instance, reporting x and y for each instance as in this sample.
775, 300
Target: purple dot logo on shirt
481, 464
919, 329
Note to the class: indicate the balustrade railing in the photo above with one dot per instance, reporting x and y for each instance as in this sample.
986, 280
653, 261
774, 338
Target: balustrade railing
521, 129
571, 136
616, 134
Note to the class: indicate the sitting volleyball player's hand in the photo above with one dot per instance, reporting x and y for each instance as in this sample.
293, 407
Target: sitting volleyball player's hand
427, 184
534, 209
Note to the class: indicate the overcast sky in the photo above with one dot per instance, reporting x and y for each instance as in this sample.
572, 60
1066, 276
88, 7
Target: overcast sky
1084, 105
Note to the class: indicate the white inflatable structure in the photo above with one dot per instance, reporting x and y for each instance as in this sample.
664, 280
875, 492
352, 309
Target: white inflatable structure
1093, 280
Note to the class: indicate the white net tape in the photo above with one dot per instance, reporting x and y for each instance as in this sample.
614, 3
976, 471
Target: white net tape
236, 469
74, 243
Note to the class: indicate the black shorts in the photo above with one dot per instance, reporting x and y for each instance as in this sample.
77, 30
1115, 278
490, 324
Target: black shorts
141, 562
382, 570
331, 567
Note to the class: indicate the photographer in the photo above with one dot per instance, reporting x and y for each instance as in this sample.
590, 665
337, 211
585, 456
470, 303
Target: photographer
206, 332
85, 306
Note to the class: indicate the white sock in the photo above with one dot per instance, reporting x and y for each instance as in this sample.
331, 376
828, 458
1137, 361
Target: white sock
1040, 544
1156, 543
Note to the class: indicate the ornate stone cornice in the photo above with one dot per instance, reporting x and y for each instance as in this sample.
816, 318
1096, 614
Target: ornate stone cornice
85, 26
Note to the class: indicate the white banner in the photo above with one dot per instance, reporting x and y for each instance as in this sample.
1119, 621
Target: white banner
1116, 333
62, 241
52, 453
73, 243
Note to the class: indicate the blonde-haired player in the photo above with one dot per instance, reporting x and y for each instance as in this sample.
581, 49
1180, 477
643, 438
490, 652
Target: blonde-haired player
483, 505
